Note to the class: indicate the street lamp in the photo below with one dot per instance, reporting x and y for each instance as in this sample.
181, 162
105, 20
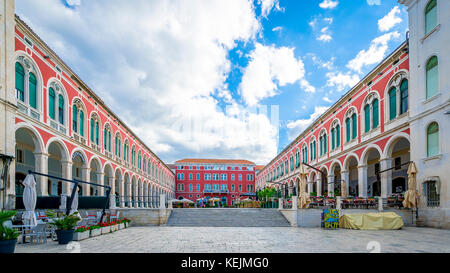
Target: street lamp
5, 161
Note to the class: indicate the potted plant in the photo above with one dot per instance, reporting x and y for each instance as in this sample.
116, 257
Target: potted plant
65, 226
127, 222
114, 226
105, 228
81, 233
95, 230
8, 236
121, 224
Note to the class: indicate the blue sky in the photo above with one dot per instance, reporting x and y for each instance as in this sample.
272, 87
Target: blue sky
187, 76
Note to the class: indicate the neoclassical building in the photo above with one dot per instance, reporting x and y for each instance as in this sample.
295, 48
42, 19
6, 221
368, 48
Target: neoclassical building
225, 179
364, 131
53, 123
398, 113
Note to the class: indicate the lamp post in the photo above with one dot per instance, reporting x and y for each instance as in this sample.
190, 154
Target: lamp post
5, 161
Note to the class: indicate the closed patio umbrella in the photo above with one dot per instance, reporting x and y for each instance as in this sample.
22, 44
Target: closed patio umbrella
74, 207
412, 195
29, 201
303, 200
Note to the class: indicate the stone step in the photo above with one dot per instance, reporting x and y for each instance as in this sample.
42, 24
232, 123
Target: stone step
227, 218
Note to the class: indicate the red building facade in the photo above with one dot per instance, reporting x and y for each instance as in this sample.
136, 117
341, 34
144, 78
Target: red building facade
209, 178
64, 129
364, 133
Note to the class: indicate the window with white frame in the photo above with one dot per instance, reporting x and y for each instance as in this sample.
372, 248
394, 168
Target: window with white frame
27, 87
371, 112
57, 106
397, 96
430, 16
432, 78
78, 118
95, 129
305, 153
322, 143
107, 138
335, 135
433, 139
313, 149
351, 125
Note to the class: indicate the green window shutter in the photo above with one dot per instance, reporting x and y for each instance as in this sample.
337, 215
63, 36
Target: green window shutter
81, 123
320, 146
432, 77
97, 133
92, 130
404, 96
338, 135
325, 143
354, 125
315, 149
430, 16
109, 141
375, 114
105, 135
432, 139
51, 103
115, 146
347, 127
20, 81
32, 92
61, 109
333, 140
74, 118
392, 103
367, 118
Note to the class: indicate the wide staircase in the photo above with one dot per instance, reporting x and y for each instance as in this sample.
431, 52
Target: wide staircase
226, 217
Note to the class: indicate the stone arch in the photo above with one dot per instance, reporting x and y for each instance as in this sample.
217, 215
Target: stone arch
39, 146
391, 143
364, 155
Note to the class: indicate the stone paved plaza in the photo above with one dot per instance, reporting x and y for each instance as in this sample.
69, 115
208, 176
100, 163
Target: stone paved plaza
254, 240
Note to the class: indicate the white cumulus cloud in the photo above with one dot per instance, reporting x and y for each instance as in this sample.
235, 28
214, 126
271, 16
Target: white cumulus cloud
375, 54
161, 66
328, 4
390, 20
269, 68
341, 80
296, 127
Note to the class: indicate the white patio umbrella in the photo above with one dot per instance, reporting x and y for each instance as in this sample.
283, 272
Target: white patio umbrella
29, 200
74, 207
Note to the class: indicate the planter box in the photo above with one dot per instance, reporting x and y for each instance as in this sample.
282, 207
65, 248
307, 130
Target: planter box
96, 232
121, 226
78, 236
114, 228
127, 225
106, 230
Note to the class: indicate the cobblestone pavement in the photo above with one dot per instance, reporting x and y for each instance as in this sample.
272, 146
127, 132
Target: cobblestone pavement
253, 240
